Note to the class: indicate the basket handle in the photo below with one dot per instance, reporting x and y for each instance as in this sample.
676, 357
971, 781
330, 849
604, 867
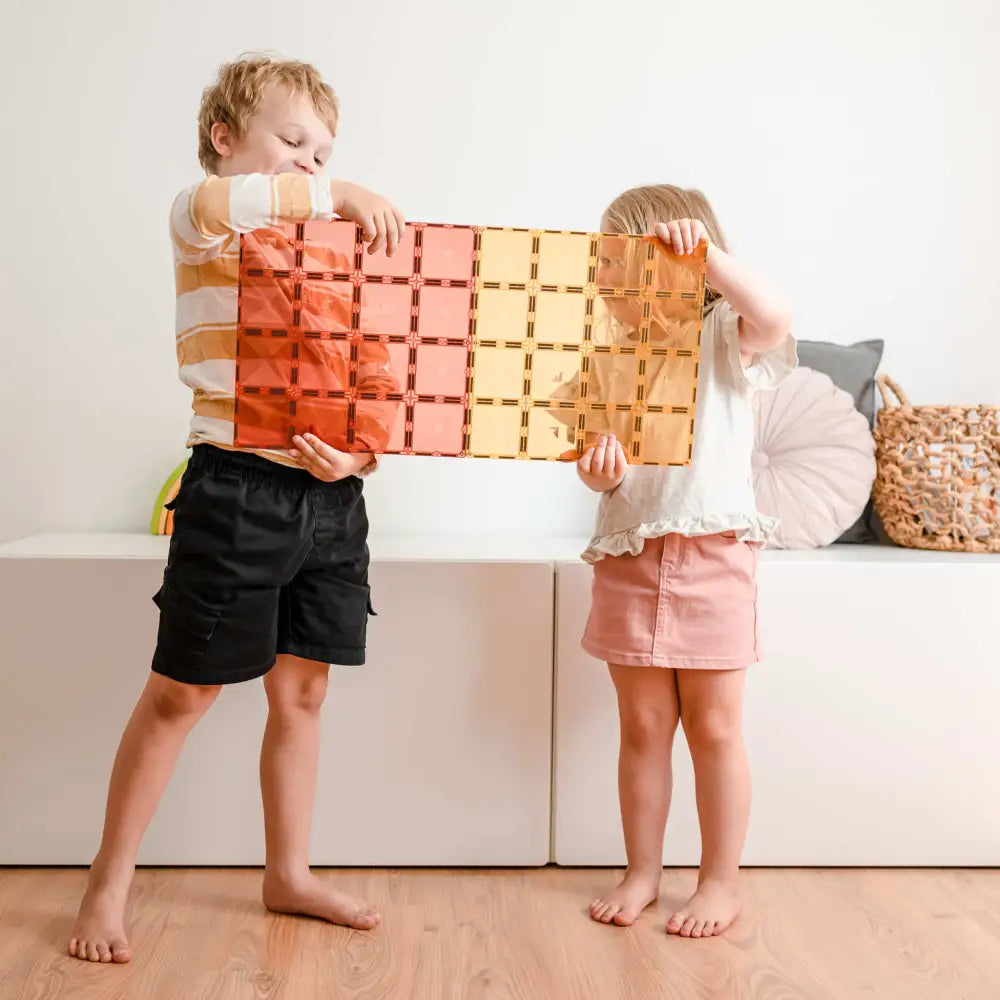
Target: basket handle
885, 386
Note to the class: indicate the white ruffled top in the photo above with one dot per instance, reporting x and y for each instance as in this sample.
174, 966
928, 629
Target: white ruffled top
715, 492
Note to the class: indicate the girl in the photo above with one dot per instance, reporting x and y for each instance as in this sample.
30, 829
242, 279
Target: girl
675, 558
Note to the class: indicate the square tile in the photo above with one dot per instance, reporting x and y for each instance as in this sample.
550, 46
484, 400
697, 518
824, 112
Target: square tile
495, 431
441, 371
612, 378
265, 361
670, 381
399, 265
325, 417
329, 246
563, 258
324, 365
438, 428
551, 434
269, 248
266, 303
444, 312
663, 439
375, 424
498, 374
505, 256
554, 374
325, 306
263, 421
447, 254
560, 317
501, 315
386, 310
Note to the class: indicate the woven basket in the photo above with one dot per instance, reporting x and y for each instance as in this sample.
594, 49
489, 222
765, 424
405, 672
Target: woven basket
938, 480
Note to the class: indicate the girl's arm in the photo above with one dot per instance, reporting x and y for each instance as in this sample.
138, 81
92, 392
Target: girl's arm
765, 312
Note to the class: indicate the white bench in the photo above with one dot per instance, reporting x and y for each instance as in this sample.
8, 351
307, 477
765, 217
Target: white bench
871, 724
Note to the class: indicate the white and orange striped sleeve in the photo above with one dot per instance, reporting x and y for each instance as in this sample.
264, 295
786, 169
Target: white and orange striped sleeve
206, 217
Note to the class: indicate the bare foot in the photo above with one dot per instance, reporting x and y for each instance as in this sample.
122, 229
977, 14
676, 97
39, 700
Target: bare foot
310, 896
713, 907
624, 903
99, 932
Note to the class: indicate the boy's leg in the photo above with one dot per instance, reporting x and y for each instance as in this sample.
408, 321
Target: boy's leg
289, 758
711, 711
162, 718
648, 714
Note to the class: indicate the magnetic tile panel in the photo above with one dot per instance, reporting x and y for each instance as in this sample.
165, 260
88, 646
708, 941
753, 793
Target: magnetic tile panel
468, 341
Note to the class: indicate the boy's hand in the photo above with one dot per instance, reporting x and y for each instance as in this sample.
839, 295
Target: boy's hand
602, 467
383, 224
682, 235
324, 462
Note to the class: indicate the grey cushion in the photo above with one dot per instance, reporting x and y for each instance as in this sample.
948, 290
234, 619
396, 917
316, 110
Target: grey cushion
851, 368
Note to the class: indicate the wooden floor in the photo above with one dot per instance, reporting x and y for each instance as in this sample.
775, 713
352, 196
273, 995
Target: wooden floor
471, 935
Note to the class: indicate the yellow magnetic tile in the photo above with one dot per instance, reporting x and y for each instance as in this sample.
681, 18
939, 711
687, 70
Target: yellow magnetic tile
560, 317
495, 431
563, 258
505, 256
552, 372
498, 373
501, 315
551, 433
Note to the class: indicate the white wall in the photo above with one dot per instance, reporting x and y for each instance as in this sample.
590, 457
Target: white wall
851, 149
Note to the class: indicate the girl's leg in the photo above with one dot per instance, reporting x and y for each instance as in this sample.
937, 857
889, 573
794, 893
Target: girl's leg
162, 718
711, 704
648, 714
288, 762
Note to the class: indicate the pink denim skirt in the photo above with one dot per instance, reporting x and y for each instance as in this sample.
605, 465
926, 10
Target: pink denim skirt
686, 603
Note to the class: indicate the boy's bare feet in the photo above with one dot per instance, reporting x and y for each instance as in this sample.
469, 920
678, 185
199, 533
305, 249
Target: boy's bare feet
310, 896
624, 903
713, 907
99, 932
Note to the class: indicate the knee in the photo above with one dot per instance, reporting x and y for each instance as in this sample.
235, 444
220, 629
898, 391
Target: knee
172, 701
647, 728
296, 692
710, 729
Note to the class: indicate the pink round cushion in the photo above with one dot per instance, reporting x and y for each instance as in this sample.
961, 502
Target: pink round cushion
813, 461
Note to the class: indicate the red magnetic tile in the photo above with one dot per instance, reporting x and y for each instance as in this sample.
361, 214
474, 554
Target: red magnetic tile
326, 306
385, 310
328, 246
438, 428
441, 371
324, 417
399, 265
447, 253
269, 248
265, 362
266, 303
262, 422
324, 365
444, 312
374, 424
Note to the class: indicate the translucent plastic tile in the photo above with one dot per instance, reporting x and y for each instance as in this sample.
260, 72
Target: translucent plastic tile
505, 256
663, 439
560, 318
324, 365
563, 258
438, 428
399, 362
501, 315
551, 371
613, 378
263, 421
325, 306
265, 361
385, 310
444, 312
441, 371
550, 437
670, 381
269, 248
498, 373
399, 265
324, 417
374, 423
447, 253
266, 303
328, 246
495, 431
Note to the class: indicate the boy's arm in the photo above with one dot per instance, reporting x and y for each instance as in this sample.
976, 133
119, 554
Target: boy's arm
207, 216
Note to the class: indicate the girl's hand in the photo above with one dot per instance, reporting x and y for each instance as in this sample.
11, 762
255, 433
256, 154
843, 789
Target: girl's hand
602, 467
324, 462
682, 235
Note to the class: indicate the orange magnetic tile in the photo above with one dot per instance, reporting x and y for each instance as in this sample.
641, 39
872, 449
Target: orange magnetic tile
498, 373
329, 246
324, 417
265, 361
385, 310
560, 318
441, 371
502, 315
399, 265
505, 255
551, 370
263, 421
266, 303
269, 248
438, 428
551, 433
447, 253
563, 258
324, 365
444, 312
325, 306
495, 431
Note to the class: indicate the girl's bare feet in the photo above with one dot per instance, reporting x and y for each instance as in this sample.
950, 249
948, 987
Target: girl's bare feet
709, 912
624, 903
99, 932
310, 896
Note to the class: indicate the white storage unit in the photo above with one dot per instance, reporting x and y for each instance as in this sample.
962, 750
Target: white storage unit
435, 753
873, 723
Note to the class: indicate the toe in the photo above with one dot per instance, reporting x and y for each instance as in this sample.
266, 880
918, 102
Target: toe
92, 955
596, 905
120, 952
687, 927
624, 918
675, 923
103, 952
713, 929
72, 947
610, 913
699, 929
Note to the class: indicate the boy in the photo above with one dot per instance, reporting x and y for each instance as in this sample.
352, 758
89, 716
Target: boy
268, 567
